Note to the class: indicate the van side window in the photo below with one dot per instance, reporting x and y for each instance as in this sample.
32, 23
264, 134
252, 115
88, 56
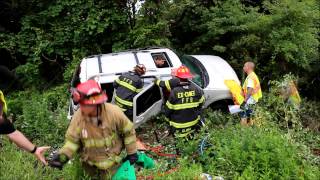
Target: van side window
108, 89
161, 60
147, 99
76, 77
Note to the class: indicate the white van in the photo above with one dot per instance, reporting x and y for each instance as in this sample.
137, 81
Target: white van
209, 74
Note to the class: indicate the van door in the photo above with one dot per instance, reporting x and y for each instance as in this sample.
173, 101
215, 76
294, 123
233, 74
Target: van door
204, 93
146, 104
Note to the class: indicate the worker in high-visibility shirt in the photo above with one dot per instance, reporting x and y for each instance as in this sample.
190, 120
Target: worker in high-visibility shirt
183, 107
99, 131
251, 93
290, 93
127, 86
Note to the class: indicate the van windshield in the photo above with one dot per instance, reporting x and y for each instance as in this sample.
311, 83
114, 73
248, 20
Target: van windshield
200, 74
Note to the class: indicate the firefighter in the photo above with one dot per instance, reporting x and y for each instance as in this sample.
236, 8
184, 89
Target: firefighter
127, 86
167, 85
251, 93
183, 107
99, 131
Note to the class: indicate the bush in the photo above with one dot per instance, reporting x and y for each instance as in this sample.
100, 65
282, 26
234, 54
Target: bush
185, 170
214, 119
264, 151
15, 164
270, 150
254, 153
275, 107
41, 116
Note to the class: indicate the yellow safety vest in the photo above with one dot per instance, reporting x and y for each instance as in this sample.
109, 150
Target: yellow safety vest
257, 93
3, 102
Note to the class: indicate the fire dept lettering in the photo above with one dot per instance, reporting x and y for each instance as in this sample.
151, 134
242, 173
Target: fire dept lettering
186, 97
127, 80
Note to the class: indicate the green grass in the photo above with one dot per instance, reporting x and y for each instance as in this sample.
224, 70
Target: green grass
237, 153
269, 150
16, 164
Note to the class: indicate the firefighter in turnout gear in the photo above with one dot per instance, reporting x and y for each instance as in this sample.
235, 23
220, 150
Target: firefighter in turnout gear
183, 107
127, 86
99, 131
167, 85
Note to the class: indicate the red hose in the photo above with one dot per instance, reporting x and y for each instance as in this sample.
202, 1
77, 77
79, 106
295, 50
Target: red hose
157, 150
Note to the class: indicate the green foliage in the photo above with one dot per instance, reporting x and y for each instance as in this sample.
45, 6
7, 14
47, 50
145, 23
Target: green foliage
66, 30
32, 71
156, 34
264, 151
186, 170
251, 153
217, 118
151, 27
41, 116
283, 31
280, 36
276, 108
15, 164
258, 153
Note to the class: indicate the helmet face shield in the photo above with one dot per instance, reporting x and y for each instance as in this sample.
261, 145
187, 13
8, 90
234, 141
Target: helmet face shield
94, 99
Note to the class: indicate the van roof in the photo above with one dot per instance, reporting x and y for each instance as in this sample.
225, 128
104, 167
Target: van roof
118, 62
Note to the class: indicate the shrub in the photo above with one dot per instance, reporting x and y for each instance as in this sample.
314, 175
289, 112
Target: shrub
264, 151
40, 116
256, 153
218, 118
274, 106
185, 170
16, 164
260, 152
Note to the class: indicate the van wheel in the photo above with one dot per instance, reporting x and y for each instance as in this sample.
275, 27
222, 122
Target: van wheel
221, 105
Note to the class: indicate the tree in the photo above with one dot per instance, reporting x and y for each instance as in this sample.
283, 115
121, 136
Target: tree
66, 31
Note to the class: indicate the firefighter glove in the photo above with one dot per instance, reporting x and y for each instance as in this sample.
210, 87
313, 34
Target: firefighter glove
58, 160
244, 106
132, 158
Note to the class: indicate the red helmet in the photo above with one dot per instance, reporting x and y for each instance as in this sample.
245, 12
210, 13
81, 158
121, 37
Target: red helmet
89, 93
183, 72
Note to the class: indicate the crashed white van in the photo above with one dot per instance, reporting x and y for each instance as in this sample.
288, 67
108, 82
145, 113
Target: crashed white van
209, 74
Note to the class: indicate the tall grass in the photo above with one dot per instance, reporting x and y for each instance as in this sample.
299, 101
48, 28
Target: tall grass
269, 150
